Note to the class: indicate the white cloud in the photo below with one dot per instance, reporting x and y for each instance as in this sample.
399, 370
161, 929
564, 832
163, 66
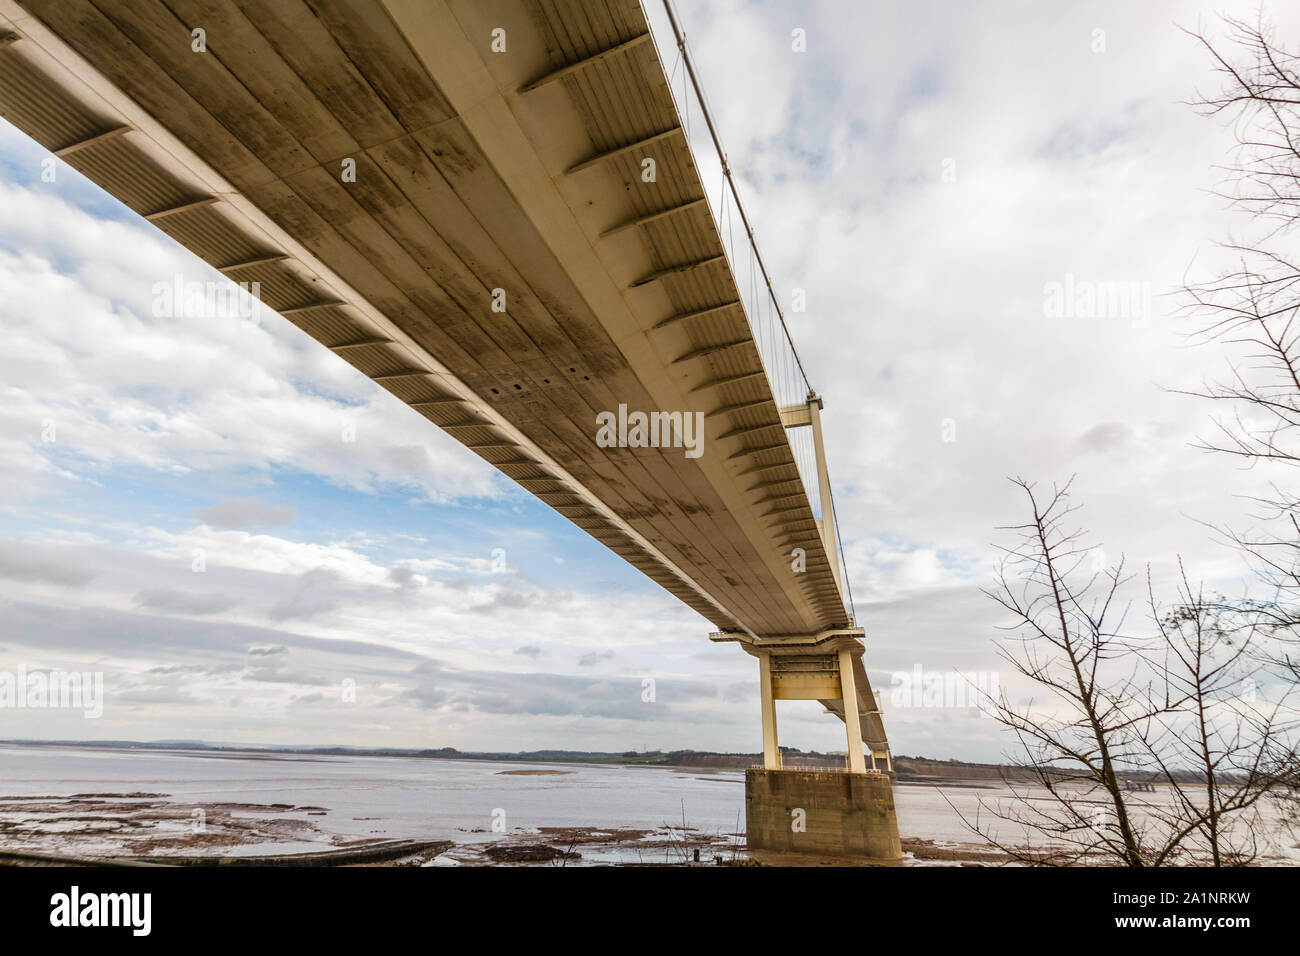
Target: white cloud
246, 512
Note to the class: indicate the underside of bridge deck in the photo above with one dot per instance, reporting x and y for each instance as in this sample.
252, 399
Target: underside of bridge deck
449, 194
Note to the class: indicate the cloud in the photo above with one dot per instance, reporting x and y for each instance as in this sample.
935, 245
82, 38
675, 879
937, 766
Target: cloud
183, 602
595, 657
404, 577
246, 513
1107, 437
316, 592
25, 561
267, 657
426, 696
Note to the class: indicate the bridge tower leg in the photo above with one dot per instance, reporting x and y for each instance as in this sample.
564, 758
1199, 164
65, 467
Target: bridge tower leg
771, 751
827, 523
852, 719
809, 415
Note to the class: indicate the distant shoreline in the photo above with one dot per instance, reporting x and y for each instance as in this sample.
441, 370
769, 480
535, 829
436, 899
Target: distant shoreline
923, 770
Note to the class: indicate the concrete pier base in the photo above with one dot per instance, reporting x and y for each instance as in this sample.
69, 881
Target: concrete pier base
822, 813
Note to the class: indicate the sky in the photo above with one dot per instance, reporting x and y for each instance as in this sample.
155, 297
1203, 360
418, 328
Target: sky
181, 508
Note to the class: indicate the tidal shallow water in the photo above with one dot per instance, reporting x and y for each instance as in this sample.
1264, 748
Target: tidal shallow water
123, 801
296, 803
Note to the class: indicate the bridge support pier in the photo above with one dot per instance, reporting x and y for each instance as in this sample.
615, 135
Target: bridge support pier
846, 813
822, 813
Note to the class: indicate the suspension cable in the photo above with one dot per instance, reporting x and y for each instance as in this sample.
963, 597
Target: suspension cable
726, 171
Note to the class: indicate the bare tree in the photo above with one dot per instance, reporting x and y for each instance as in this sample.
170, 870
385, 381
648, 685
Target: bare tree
1068, 629
1217, 742
1165, 705
1252, 311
